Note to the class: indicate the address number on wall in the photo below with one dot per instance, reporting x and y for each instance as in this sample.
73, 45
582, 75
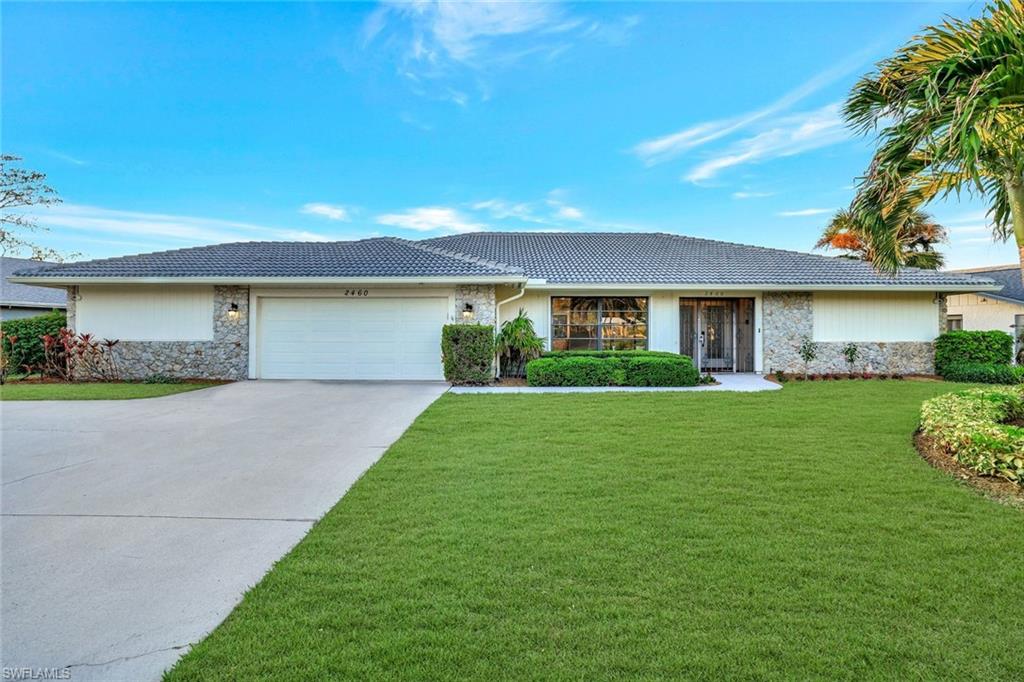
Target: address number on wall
357, 292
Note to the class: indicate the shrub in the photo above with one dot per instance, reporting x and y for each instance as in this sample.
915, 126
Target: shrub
575, 371
467, 351
610, 354
976, 373
656, 370
974, 347
517, 343
29, 332
612, 368
973, 427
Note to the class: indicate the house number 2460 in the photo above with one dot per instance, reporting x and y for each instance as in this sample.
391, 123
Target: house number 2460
357, 292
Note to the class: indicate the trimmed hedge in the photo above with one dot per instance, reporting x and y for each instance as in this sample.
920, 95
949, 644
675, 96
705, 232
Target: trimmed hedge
608, 354
975, 373
623, 368
467, 351
972, 347
28, 349
973, 427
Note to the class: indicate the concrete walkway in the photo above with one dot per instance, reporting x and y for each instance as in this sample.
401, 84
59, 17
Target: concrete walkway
130, 529
746, 383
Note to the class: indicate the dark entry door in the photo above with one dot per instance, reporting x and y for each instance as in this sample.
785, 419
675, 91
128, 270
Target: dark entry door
718, 333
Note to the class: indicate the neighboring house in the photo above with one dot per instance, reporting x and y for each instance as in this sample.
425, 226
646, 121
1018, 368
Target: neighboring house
23, 300
1002, 310
373, 309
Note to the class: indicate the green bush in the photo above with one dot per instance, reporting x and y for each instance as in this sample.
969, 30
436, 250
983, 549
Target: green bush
976, 373
28, 349
973, 347
973, 426
467, 351
660, 371
614, 368
608, 354
575, 371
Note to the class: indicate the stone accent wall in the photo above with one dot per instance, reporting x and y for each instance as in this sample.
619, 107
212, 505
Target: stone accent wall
481, 297
225, 357
788, 318
70, 312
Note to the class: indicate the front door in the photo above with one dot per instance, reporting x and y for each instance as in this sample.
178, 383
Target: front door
717, 333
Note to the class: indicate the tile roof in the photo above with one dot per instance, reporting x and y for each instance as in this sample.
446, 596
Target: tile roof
380, 257
596, 257
1008, 276
558, 257
26, 295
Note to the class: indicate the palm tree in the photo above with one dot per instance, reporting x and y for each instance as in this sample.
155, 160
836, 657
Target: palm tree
916, 237
951, 107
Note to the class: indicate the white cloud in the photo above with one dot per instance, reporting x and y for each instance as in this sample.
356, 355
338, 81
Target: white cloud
666, 147
451, 41
430, 218
500, 209
570, 213
752, 195
805, 212
781, 136
329, 211
161, 226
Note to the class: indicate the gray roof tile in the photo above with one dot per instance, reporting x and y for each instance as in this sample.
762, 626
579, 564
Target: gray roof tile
27, 295
1009, 277
380, 257
558, 257
595, 257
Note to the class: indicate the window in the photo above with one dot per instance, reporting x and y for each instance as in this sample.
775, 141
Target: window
598, 323
954, 323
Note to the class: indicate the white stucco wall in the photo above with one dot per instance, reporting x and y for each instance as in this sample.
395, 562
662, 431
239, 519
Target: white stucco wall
875, 317
146, 312
984, 314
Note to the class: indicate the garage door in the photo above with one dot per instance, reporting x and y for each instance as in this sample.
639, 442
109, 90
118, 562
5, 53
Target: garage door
346, 338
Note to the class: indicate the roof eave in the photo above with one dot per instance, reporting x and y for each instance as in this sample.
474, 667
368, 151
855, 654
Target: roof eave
56, 281
761, 286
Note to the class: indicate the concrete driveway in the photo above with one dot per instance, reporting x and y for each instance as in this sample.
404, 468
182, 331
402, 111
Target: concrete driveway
131, 528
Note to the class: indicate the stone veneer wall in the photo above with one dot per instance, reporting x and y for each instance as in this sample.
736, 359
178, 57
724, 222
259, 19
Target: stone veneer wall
225, 357
481, 297
788, 318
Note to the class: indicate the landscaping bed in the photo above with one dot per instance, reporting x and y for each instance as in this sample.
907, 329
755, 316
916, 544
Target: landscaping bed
978, 429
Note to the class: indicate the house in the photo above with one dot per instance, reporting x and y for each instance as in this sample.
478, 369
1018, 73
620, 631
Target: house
23, 300
373, 309
1002, 310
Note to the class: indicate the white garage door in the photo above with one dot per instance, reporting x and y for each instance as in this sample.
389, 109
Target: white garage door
351, 338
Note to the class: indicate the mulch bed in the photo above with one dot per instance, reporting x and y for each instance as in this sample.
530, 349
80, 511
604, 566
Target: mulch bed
996, 488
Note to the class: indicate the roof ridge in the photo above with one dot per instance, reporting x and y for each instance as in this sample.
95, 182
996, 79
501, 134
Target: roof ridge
464, 257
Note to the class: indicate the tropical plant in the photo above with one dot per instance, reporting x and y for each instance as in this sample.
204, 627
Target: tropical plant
916, 239
516, 344
851, 352
808, 352
951, 106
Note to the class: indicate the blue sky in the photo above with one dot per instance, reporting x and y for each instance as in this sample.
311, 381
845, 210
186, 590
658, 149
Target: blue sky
166, 125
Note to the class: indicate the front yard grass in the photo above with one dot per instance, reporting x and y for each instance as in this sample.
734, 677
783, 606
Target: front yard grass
92, 391
784, 535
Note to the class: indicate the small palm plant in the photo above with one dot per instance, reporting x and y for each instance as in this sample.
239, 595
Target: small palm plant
517, 343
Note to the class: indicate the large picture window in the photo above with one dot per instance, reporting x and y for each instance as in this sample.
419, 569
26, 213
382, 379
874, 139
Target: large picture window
599, 323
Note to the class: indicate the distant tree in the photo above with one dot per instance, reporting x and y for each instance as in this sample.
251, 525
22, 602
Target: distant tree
20, 189
950, 106
916, 238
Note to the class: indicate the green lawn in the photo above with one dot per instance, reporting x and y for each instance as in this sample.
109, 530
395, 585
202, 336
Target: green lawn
91, 391
787, 535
